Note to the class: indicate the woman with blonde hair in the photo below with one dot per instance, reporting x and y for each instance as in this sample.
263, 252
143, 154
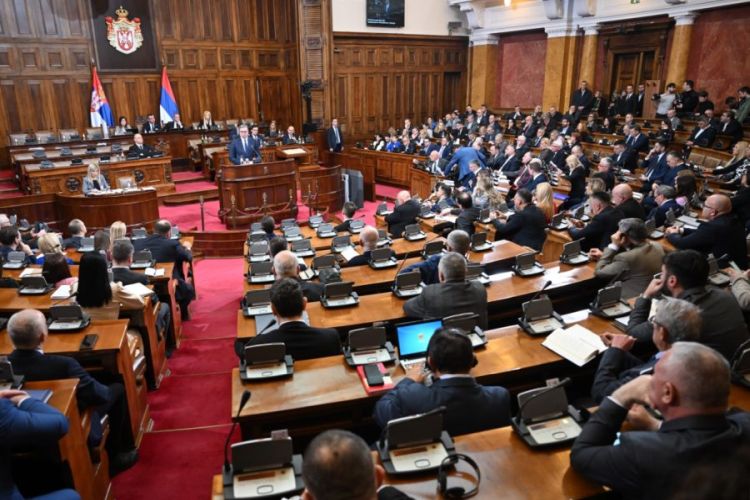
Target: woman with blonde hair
49, 243
577, 177
544, 199
739, 155
117, 231
485, 195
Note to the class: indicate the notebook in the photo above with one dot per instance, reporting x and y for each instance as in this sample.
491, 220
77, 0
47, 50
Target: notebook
577, 344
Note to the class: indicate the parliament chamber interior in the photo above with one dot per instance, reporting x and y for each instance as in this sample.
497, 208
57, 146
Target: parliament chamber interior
360, 249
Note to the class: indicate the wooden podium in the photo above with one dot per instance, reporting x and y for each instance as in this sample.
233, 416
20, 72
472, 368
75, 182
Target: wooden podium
321, 187
135, 209
249, 192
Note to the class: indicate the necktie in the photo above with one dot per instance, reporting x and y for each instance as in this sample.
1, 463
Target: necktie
338, 138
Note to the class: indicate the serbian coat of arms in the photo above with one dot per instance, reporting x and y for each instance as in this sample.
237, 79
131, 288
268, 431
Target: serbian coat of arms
123, 34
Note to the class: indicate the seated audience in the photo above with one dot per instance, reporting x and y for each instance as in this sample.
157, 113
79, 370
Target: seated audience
334, 451
452, 295
675, 321
28, 332
684, 275
605, 172
740, 287
77, 230
664, 196
577, 179
49, 243
703, 134
404, 213
122, 258
368, 239
622, 199
27, 421
348, 210
286, 265
722, 234
544, 199
117, 231
56, 270
98, 296
470, 407
604, 220
630, 258
467, 213
457, 241
11, 241
690, 389
102, 244
526, 226
302, 341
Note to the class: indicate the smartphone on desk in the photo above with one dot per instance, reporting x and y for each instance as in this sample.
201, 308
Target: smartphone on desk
89, 341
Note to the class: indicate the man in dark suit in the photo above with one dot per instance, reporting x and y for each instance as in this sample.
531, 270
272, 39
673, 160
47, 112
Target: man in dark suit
638, 141
675, 321
408, 147
404, 213
150, 126
722, 234
703, 134
685, 276
348, 211
26, 421
452, 295
122, 257
654, 165
289, 137
509, 164
467, 213
302, 341
428, 147
139, 149
286, 265
526, 226
335, 137
256, 140
457, 241
334, 451
77, 230
729, 126
629, 102
603, 224
665, 199
623, 156
582, 99
27, 330
469, 406
165, 249
537, 175
175, 124
435, 165
445, 149
242, 149
368, 240
622, 199
640, 97
529, 128
690, 389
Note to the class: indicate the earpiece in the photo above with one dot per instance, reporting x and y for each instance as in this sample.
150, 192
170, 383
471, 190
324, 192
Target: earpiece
457, 492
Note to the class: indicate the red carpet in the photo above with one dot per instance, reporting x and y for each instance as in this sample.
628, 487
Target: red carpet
187, 175
204, 356
198, 185
187, 401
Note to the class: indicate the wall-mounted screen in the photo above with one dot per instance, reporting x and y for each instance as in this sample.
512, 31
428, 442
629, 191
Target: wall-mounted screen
385, 13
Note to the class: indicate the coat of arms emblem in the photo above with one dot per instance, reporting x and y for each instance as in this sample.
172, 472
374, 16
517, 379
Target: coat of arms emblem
123, 34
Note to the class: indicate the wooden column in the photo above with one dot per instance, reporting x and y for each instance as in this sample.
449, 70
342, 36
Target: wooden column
559, 66
315, 42
588, 55
680, 51
483, 54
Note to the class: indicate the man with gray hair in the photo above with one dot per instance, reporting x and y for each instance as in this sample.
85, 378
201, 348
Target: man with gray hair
690, 390
286, 265
242, 150
675, 320
452, 295
630, 258
458, 241
664, 196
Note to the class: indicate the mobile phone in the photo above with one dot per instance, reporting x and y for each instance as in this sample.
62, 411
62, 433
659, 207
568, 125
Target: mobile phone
89, 341
657, 276
373, 375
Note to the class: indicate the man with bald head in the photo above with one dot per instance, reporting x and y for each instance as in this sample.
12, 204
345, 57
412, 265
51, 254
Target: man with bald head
139, 149
286, 265
404, 213
458, 241
622, 199
690, 389
368, 239
436, 163
723, 234
27, 330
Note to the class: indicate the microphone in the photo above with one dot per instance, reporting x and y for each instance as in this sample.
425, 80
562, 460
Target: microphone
243, 401
269, 325
542, 392
537, 294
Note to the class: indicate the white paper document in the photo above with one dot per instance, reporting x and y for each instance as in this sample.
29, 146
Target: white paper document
577, 344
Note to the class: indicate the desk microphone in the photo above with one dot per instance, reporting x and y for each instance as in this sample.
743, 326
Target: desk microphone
537, 294
269, 325
243, 401
542, 392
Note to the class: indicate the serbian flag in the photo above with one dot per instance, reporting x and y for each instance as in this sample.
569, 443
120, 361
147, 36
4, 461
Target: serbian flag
167, 103
100, 111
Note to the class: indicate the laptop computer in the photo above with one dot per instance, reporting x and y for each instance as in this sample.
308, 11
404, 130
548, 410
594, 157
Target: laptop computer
413, 339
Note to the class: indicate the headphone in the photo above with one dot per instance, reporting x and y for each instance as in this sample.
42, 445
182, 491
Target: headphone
457, 492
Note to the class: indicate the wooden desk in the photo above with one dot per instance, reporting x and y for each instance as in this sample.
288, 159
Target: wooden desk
68, 179
555, 241
73, 445
510, 469
112, 354
135, 209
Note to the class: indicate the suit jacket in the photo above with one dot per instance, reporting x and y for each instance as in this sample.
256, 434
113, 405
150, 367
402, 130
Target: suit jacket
127, 277
149, 128
88, 184
466, 218
165, 250
526, 227
174, 126
302, 341
617, 368
31, 423
632, 209
659, 214
535, 181
286, 139
204, 125
402, 216
723, 235
640, 143
256, 142
428, 269
655, 170
509, 165
336, 145
634, 267
671, 174
628, 159
703, 137
141, 152
470, 407
583, 99
597, 233
462, 158
650, 464
731, 128
445, 299
72, 242
723, 326
237, 152
436, 167
577, 179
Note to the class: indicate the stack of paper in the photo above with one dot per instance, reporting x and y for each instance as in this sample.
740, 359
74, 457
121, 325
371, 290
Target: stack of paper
138, 289
577, 344
64, 292
150, 271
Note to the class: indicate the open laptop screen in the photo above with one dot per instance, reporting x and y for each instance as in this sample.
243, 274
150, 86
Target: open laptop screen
414, 337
